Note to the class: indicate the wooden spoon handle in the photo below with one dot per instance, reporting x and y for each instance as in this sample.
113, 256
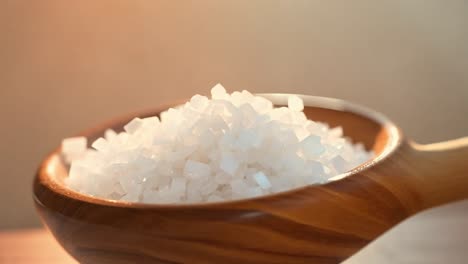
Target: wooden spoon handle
441, 171
425, 176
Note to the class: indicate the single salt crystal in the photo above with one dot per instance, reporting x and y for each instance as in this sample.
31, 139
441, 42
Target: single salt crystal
236, 98
231, 146
194, 195
229, 163
360, 147
218, 91
195, 170
133, 125
217, 123
100, 144
151, 121
248, 139
227, 141
150, 196
209, 187
199, 102
295, 103
115, 196
261, 104
288, 137
122, 137
73, 148
133, 194
222, 178
262, 180
238, 186
76, 176
246, 95
110, 134
249, 115
336, 132
74, 145
167, 195
126, 181
130, 197
339, 164
178, 186
312, 146
314, 168
301, 133
206, 140
315, 172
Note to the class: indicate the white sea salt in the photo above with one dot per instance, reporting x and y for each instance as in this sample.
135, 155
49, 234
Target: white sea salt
262, 180
295, 103
196, 170
100, 144
110, 134
312, 147
133, 126
228, 164
73, 148
229, 146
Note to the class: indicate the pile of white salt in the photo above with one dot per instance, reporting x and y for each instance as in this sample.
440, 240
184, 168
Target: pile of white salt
231, 146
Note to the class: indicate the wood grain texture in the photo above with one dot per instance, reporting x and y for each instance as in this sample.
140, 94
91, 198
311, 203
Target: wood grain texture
411, 241
317, 224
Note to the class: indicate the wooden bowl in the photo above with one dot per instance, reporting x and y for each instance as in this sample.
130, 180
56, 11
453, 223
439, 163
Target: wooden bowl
314, 224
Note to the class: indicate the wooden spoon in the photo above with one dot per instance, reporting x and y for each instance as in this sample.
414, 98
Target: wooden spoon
314, 224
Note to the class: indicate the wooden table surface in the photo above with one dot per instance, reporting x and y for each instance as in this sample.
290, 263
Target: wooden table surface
434, 237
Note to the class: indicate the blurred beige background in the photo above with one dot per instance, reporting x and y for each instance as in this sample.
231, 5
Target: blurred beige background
67, 65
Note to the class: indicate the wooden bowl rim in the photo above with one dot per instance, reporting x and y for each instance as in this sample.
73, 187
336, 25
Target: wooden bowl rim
395, 139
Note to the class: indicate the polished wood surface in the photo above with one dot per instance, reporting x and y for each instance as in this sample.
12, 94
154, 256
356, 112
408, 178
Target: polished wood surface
432, 237
316, 224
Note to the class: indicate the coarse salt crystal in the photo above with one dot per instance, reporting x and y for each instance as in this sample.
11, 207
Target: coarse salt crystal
229, 164
178, 186
73, 148
232, 146
339, 163
194, 169
110, 134
133, 126
100, 144
218, 91
312, 147
262, 180
295, 103
199, 102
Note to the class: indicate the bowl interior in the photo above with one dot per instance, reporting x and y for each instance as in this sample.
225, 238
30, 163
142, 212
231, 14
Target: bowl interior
360, 124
